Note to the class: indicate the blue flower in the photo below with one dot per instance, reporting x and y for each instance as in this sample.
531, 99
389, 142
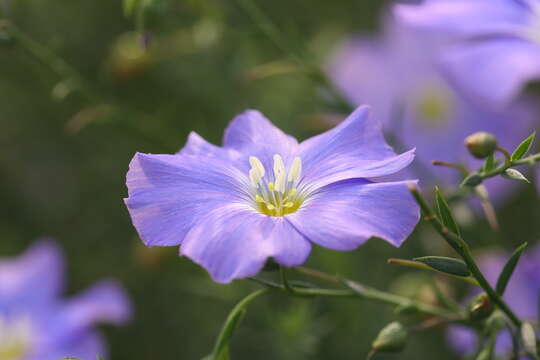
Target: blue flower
37, 324
521, 295
264, 195
399, 75
500, 42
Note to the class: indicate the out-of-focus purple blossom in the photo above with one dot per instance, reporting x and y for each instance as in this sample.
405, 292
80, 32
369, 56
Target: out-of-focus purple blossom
522, 294
399, 75
264, 195
498, 42
37, 324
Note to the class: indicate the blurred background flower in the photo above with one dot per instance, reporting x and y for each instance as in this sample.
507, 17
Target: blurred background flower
36, 323
500, 40
398, 73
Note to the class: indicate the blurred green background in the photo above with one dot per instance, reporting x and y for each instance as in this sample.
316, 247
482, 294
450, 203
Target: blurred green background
66, 143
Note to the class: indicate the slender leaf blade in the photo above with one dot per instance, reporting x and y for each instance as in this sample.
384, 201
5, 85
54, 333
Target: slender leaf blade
445, 265
489, 164
445, 213
508, 269
523, 148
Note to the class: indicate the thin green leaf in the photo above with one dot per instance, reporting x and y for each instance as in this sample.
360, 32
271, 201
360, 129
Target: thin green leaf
523, 148
221, 348
471, 180
445, 213
513, 174
445, 265
489, 164
508, 269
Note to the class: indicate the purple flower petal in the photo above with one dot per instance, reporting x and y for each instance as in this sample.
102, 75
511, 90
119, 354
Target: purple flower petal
252, 134
353, 149
360, 70
234, 241
494, 71
167, 193
103, 302
32, 280
344, 215
461, 338
197, 146
465, 17
83, 345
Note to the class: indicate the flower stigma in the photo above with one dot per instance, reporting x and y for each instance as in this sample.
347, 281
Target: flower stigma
280, 196
14, 337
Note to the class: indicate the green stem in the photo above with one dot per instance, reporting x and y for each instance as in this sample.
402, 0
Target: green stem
356, 290
462, 248
232, 321
529, 160
50, 59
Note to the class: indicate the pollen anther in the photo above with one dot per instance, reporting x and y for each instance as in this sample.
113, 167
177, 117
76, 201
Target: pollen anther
277, 195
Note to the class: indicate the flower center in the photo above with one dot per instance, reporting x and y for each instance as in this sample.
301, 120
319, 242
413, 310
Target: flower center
14, 337
433, 106
277, 195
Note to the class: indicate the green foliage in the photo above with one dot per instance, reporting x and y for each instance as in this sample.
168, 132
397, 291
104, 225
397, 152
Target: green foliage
446, 265
489, 163
509, 268
523, 148
445, 213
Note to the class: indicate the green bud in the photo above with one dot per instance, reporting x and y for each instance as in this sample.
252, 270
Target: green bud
480, 307
392, 338
481, 144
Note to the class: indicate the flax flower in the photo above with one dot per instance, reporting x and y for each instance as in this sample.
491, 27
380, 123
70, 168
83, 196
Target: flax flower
497, 43
264, 195
37, 324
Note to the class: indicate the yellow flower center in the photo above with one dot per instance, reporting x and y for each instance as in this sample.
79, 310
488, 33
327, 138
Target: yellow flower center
280, 196
14, 338
433, 106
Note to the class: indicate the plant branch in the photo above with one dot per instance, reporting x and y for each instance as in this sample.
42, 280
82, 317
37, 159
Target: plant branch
462, 248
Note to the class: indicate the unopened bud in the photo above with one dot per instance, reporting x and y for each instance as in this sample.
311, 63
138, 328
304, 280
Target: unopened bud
480, 307
481, 144
392, 338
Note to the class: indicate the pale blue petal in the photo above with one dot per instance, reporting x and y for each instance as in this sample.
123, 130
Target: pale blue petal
344, 215
168, 193
462, 339
235, 241
466, 17
252, 134
33, 279
85, 345
353, 149
494, 71
197, 146
363, 69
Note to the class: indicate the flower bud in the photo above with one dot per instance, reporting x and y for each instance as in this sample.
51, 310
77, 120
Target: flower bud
481, 144
392, 338
480, 307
